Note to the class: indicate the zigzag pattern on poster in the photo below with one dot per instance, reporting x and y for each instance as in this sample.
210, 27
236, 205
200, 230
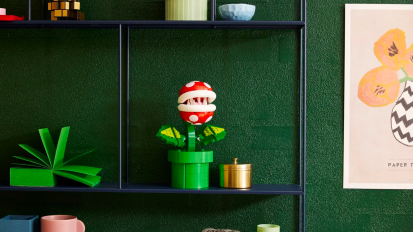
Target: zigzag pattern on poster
402, 117
400, 136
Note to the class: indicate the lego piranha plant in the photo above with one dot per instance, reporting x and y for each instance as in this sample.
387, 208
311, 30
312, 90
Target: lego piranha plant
190, 167
42, 170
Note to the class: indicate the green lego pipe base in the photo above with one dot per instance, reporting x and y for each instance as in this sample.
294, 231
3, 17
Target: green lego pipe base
190, 176
32, 177
178, 156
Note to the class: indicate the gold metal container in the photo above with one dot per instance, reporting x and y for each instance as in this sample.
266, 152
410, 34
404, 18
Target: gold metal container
235, 175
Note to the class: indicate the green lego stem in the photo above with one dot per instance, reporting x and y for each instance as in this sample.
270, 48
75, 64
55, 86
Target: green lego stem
191, 136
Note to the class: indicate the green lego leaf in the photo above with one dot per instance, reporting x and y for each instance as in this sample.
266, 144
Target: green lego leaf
210, 134
48, 144
171, 136
40, 156
180, 138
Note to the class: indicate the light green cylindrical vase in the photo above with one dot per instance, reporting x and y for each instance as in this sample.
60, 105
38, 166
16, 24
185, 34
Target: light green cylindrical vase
268, 228
186, 10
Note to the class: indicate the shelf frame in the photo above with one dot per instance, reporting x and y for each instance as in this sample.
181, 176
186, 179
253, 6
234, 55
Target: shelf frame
154, 24
127, 187
257, 189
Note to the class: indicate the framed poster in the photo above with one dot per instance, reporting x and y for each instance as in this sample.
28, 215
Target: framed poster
378, 121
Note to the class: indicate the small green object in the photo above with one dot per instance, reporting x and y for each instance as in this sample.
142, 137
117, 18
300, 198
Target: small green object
171, 136
190, 176
177, 156
32, 177
178, 175
190, 168
191, 136
210, 134
43, 169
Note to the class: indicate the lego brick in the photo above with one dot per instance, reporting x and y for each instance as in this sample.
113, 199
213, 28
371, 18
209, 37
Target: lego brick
178, 175
69, 14
75, 5
197, 168
52, 17
190, 176
20, 223
178, 156
32, 177
10, 18
60, 13
63, 6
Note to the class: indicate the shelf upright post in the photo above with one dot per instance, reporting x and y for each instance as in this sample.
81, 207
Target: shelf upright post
127, 102
29, 17
42, 9
302, 113
300, 167
305, 108
120, 106
213, 10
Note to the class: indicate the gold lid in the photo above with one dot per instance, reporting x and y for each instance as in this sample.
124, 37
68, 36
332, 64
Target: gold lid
236, 166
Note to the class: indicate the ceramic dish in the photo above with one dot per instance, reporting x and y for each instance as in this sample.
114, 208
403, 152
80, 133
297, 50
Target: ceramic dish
236, 12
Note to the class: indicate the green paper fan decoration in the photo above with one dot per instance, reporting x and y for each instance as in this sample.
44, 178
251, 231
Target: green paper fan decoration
40, 170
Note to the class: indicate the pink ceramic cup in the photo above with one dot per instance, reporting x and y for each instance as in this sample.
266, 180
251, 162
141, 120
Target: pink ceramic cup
2, 11
61, 223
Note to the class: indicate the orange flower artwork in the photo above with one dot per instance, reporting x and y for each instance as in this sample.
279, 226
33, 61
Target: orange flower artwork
379, 87
408, 61
390, 48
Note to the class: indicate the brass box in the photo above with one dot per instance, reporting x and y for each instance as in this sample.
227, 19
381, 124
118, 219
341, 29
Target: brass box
235, 175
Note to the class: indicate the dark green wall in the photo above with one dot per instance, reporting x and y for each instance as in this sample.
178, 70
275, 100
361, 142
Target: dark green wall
54, 78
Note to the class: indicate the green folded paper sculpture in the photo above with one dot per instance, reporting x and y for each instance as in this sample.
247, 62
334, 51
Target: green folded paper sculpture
42, 170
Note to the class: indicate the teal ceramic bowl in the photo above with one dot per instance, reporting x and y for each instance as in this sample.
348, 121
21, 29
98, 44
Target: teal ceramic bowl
236, 12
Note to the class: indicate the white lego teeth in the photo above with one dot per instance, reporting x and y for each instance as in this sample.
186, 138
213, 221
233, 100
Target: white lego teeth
197, 101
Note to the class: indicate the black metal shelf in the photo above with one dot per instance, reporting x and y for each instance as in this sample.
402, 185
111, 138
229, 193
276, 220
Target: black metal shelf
267, 189
257, 189
155, 24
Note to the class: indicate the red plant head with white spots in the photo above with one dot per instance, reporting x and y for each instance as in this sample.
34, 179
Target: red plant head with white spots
194, 102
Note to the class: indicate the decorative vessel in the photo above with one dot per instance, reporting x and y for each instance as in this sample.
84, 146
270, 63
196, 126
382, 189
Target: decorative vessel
235, 175
186, 10
268, 228
237, 12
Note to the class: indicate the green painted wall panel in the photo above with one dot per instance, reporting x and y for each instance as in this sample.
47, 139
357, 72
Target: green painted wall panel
58, 77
